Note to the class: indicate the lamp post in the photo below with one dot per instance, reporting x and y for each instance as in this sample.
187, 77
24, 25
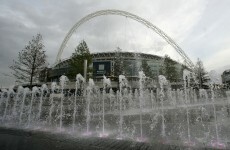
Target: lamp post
85, 69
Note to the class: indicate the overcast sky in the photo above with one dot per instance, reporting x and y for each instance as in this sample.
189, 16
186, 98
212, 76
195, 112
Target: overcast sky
200, 27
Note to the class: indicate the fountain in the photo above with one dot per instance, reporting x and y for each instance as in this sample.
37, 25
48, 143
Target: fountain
7, 103
162, 82
106, 84
18, 95
53, 87
43, 88
186, 78
63, 81
217, 143
79, 84
34, 92
141, 98
89, 91
26, 91
122, 84
183, 117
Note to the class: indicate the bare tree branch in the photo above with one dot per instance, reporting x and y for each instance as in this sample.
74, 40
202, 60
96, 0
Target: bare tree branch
31, 60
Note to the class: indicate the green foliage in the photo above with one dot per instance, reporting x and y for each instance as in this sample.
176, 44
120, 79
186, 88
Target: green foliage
77, 60
118, 63
147, 69
201, 74
31, 60
168, 69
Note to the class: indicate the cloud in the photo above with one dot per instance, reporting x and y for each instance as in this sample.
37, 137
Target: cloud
214, 60
189, 23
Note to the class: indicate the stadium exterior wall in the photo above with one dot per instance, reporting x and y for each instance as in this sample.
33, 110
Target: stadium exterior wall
104, 64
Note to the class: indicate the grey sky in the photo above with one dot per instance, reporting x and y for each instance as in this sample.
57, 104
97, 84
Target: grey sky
200, 27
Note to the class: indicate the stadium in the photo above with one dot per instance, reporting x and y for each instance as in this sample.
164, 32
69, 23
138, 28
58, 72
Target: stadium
112, 64
226, 78
115, 63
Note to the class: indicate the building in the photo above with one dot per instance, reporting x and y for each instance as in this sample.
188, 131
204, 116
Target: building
226, 77
112, 64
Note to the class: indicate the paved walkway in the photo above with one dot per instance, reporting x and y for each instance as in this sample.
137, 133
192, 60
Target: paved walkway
17, 139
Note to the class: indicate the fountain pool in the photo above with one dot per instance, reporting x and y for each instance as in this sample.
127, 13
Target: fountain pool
183, 117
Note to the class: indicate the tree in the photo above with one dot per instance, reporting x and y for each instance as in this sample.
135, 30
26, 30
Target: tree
147, 69
77, 60
169, 70
201, 74
31, 60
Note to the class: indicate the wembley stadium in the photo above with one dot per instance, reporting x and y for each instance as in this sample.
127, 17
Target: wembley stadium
111, 65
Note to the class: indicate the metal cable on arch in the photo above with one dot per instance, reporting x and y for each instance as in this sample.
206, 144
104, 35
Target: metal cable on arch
148, 24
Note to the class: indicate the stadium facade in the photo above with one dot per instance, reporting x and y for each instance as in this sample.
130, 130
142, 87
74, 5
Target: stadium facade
226, 77
110, 64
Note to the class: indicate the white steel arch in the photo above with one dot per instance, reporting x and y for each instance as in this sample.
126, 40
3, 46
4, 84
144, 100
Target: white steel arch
148, 24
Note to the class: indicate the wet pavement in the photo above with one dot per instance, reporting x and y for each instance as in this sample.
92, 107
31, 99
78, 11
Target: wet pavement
21, 139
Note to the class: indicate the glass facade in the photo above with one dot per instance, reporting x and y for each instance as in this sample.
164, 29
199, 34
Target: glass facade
111, 64
226, 77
